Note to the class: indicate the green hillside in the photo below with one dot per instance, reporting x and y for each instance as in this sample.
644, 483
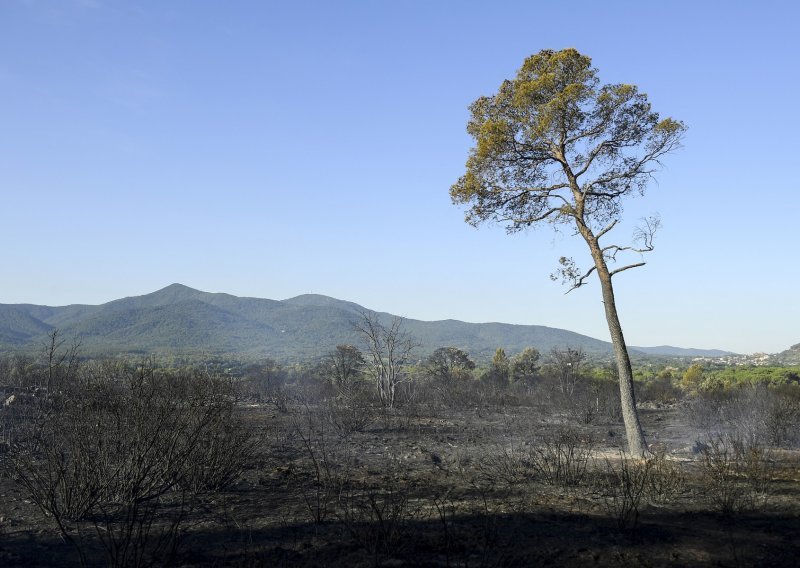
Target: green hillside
18, 326
179, 319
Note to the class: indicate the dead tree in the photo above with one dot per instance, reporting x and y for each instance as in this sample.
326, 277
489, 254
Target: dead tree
567, 366
388, 349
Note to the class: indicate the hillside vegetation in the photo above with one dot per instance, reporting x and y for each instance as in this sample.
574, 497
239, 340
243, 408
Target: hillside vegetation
182, 320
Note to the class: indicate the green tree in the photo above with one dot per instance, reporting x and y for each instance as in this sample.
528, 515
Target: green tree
693, 377
554, 147
448, 364
500, 360
666, 373
498, 373
525, 366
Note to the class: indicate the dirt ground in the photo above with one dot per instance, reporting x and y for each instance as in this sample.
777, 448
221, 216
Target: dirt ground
445, 488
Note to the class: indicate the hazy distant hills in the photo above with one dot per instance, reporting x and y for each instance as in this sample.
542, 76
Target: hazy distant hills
682, 352
179, 319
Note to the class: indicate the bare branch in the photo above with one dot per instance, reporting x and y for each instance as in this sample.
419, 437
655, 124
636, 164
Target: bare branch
618, 270
389, 349
646, 233
607, 229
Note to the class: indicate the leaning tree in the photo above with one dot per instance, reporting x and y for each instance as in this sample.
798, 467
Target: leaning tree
553, 146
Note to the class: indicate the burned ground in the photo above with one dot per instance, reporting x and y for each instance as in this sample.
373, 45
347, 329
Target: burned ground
491, 484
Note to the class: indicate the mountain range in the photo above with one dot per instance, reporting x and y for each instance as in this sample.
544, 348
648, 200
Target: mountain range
182, 320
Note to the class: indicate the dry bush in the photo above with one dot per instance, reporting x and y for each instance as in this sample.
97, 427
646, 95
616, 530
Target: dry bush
622, 488
782, 423
447, 509
18, 372
561, 457
266, 382
509, 465
757, 414
380, 519
457, 395
410, 406
588, 402
351, 411
746, 412
584, 404
470, 529
223, 451
141, 533
624, 483
108, 451
322, 473
735, 474
703, 412
610, 405
666, 480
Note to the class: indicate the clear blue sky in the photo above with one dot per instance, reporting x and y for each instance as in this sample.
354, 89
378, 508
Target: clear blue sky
271, 149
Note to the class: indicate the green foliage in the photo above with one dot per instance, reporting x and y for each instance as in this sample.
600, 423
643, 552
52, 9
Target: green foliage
183, 325
551, 126
500, 361
499, 372
693, 377
448, 364
555, 147
525, 366
661, 389
730, 377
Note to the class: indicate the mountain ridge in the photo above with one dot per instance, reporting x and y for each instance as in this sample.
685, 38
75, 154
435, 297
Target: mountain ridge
178, 318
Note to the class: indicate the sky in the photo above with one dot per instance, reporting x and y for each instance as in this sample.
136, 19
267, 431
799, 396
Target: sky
271, 149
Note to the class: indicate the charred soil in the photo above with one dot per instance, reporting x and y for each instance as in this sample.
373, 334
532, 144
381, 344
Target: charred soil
486, 485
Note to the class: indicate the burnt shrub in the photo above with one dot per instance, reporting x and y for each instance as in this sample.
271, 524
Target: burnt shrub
353, 410
759, 414
735, 474
127, 453
561, 456
265, 382
622, 488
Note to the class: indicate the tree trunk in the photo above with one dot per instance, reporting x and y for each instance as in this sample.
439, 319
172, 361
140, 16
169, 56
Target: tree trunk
633, 429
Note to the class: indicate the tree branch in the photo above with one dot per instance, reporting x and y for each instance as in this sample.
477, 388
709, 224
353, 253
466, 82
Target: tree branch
618, 270
580, 281
530, 220
607, 229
